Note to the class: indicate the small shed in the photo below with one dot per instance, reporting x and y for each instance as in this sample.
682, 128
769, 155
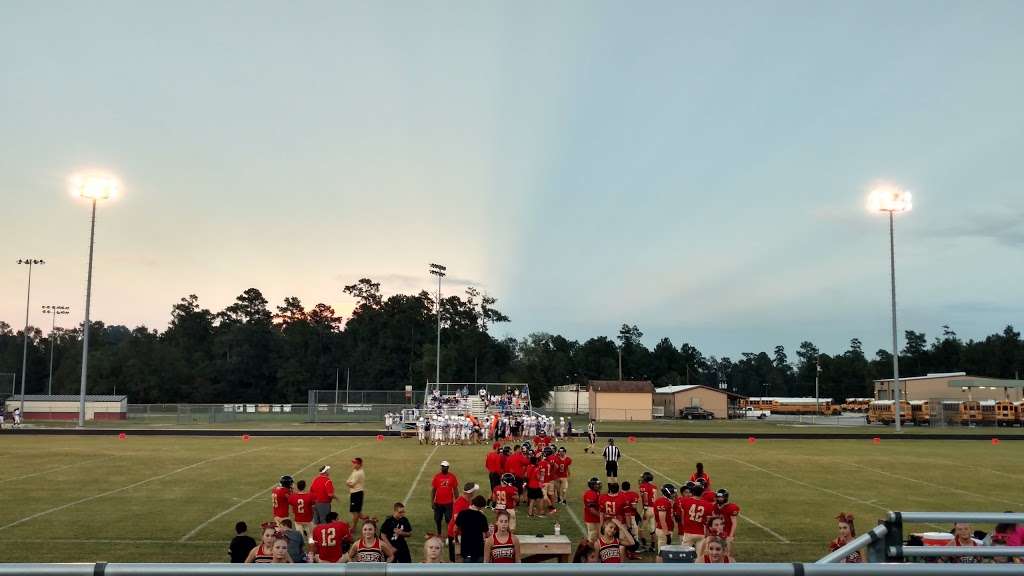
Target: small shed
675, 398
65, 407
621, 399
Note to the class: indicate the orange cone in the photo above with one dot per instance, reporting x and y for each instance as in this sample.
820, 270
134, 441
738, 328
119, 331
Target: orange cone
245, 437
122, 436
751, 439
876, 440
995, 441
380, 437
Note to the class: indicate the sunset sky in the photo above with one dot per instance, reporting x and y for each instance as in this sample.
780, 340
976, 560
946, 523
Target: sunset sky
699, 169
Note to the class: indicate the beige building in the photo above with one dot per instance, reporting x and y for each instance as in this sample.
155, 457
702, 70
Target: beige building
675, 398
620, 400
952, 386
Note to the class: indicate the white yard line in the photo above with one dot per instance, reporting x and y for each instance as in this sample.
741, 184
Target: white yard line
926, 483
215, 517
123, 488
419, 475
770, 532
576, 519
64, 467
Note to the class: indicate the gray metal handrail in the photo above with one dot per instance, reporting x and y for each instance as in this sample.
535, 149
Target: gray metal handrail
944, 551
933, 517
876, 534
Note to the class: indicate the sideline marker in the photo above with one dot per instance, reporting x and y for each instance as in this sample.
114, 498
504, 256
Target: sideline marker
245, 437
631, 439
122, 436
380, 437
751, 439
876, 440
995, 441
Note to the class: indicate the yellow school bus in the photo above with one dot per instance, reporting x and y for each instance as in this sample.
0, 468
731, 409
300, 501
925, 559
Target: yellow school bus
884, 412
919, 413
1007, 413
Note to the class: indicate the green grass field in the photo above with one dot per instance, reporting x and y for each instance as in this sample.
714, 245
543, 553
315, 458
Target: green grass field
176, 499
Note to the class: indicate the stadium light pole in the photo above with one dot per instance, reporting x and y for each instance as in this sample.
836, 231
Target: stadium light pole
53, 311
92, 186
439, 271
892, 200
30, 262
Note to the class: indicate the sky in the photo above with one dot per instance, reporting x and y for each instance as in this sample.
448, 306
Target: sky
698, 169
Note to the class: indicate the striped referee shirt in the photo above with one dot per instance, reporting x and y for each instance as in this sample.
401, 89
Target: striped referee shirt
612, 453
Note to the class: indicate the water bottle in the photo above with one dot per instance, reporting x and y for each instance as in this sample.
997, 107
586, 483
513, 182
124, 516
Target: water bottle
558, 529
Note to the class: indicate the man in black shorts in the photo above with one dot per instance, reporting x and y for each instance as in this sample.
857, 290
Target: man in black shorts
611, 461
355, 483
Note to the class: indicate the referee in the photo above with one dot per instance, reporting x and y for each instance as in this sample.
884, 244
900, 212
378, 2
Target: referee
611, 461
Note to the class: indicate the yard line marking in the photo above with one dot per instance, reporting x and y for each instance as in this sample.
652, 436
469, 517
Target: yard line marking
771, 532
196, 530
419, 474
61, 468
583, 529
128, 487
926, 483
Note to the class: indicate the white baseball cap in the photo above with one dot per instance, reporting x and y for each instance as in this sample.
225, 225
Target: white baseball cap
445, 464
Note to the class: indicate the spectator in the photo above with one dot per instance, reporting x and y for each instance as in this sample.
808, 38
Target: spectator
396, 529
585, 553
963, 536
714, 552
279, 550
473, 528
355, 483
503, 546
241, 544
263, 553
442, 495
322, 492
370, 548
432, 548
847, 532
296, 543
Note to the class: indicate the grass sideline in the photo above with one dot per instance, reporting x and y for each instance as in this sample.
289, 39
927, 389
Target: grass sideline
85, 499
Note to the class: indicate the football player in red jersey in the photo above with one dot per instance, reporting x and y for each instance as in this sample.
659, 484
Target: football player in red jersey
694, 511
331, 540
729, 512
663, 518
506, 497
279, 498
516, 465
536, 478
629, 502
648, 494
611, 504
592, 508
493, 463
302, 509
565, 461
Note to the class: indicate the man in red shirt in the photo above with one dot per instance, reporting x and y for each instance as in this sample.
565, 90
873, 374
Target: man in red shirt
564, 462
694, 511
322, 492
506, 497
443, 489
648, 494
469, 491
554, 476
279, 498
592, 508
663, 518
629, 501
302, 509
331, 539
517, 464
536, 477
610, 504
493, 464
729, 512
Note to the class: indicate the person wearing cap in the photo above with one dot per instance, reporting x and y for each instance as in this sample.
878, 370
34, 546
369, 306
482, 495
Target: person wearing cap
443, 490
495, 467
322, 493
355, 483
469, 491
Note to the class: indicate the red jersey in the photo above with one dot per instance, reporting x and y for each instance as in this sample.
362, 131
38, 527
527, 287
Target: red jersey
328, 539
729, 513
370, 553
502, 552
493, 463
611, 505
279, 499
554, 465
302, 506
628, 501
694, 512
460, 505
663, 505
707, 479
517, 464
566, 462
505, 497
648, 494
708, 496
608, 552
321, 489
591, 507
444, 486
537, 476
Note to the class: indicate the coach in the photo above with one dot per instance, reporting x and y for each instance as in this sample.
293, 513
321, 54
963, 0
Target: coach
611, 461
322, 493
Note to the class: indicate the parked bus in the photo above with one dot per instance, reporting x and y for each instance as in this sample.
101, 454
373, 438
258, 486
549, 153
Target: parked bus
1007, 413
988, 412
884, 412
962, 412
856, 404
919, 413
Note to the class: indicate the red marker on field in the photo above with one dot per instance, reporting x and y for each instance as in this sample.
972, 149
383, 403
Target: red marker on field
245, 437
122, 436
380, 437
995, 441
632, 439
876, 440
751, 439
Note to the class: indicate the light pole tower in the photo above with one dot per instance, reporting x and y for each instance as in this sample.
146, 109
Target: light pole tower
30, 262
92, 186
439, 271
53, 311
892, 200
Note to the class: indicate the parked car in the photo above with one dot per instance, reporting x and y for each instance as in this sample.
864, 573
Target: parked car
696, 413
751, 412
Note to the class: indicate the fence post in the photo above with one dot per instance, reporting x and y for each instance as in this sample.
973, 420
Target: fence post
893, 540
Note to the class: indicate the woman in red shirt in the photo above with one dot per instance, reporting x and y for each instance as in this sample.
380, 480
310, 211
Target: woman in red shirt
610, 549
371, 548
846, 533
700, 474
503, 546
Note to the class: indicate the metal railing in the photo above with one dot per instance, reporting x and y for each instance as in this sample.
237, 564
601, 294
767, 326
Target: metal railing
896, 551
505, 569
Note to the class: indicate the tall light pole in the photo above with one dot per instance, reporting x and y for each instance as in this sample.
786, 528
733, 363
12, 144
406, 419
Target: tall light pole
439, 271
53, 311
30, 262
92, 186
892, 200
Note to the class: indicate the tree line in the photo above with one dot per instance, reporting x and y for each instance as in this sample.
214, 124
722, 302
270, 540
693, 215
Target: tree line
250, 352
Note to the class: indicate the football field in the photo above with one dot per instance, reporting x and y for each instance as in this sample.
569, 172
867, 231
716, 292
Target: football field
176, 499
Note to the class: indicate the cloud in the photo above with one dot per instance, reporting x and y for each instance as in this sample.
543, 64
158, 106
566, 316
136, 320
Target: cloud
395, 283
1005, 227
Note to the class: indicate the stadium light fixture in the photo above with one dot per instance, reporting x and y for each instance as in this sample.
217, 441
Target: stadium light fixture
439, 271
892, 199
53, 311
92, 186
30, 262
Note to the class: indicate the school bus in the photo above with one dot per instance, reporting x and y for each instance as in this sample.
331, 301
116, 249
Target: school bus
962, 412
919, 413
856, 404
988, 412
884, 412
1007, 413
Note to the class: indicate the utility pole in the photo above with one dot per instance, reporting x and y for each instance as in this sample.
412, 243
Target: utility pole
30, 262
439, 271
620, 364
